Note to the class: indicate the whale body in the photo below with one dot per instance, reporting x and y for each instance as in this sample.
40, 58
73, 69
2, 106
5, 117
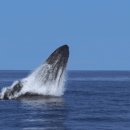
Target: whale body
48, 79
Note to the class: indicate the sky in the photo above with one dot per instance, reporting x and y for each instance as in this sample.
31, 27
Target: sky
97, 32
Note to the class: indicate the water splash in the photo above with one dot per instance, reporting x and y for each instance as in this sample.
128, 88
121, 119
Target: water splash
40, 83
37, 83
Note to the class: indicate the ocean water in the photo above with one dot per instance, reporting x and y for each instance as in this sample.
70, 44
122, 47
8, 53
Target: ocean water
94, 100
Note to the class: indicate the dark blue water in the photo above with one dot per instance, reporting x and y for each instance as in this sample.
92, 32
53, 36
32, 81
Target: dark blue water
94, 100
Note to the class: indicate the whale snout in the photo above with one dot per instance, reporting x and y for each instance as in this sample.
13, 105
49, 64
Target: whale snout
60, 55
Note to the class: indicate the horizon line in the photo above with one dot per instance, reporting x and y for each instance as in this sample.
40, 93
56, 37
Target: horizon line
66, 70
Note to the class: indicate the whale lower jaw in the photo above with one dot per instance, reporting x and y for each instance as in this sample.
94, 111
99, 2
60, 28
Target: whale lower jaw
47, 80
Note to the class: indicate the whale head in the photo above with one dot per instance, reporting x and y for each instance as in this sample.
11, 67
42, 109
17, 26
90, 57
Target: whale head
56, 64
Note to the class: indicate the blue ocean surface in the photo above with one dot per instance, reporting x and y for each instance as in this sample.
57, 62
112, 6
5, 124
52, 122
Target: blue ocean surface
93, 100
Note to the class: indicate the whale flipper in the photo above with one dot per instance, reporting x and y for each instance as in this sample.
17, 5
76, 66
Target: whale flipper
10, 92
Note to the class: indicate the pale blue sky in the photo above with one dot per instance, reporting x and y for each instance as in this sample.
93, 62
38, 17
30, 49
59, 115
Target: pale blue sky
97, 31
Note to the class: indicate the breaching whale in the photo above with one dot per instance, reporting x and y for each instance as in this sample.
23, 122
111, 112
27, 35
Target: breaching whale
47, 80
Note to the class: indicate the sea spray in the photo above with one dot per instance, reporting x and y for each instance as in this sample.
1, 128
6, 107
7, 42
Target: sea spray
34, 85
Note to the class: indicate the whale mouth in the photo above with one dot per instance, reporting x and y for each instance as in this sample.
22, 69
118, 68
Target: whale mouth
47, 80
